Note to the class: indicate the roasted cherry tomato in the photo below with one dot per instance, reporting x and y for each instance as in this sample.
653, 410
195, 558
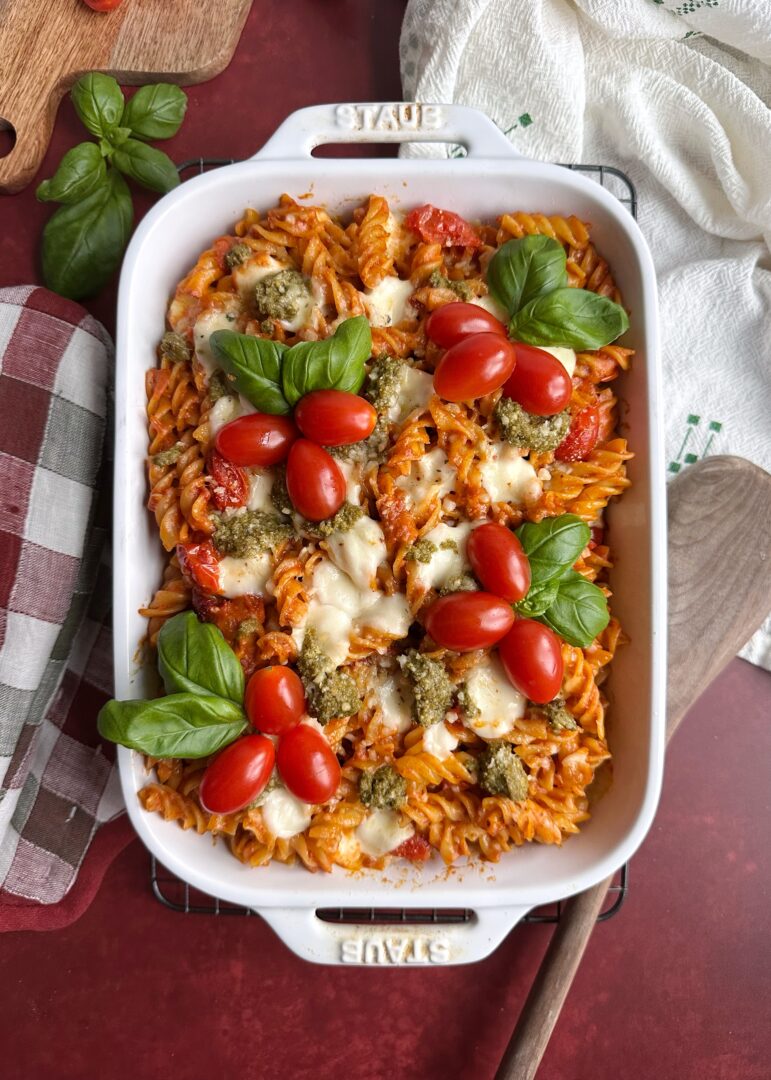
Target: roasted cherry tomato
474, 366
531, 655
497, 559
307, 764
449, 323
334, 418
416, 849
237, 775
230, 485
103, 5
441, 226
200, 563
275, 699
581, 439
314, 481
256, 439
539, 382
463, 621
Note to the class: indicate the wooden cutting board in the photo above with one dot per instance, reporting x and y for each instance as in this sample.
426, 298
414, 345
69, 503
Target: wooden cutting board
45, 47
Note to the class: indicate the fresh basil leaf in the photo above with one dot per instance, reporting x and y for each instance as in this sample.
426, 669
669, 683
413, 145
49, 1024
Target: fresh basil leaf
256, 366
80, 172
579, 612
155, 111
523, 269
573, 318
552, 546
538, 599
98, 102
83, 243
193, 657
179, 725
337, 363
119, 135
149, 167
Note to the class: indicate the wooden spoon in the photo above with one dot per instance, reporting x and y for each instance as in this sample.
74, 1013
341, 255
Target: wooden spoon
708, 505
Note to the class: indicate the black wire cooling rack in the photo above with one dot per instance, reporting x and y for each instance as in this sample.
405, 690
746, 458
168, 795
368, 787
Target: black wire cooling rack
178, 896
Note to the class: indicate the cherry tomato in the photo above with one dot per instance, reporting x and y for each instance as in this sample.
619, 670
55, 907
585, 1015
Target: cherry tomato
230, 484
256, 439
200, 562
237, 775
539, 382
463, 621
334, 418
449, 323
103, 5
497, 559
416, 849
442, 226
307, 764
275, 699
581, 439
314, 481
474, 366
531, 655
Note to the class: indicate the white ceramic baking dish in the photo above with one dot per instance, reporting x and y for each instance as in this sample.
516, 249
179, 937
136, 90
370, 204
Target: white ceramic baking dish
490, 180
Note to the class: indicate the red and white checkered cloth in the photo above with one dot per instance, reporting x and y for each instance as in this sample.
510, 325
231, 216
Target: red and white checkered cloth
57, 780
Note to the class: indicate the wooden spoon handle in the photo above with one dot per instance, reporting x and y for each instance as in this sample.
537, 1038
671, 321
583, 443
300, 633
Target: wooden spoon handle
719, 593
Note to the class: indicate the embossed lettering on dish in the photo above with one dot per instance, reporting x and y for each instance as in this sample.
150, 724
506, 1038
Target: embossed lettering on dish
397, 116
385, 950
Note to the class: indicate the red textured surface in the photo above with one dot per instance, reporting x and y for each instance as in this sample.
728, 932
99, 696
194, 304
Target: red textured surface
677, 985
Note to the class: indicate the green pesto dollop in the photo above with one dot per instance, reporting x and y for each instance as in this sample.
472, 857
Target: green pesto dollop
313, 664
370, 449
524, 429
502, 773
383, 382
279, 495
462, 289
558, 716
249, 532
421, 551
220, 386
281, 295
336, 695
249, 626
382, 788
174, 347
466, 702
343, 521
459, 583
274, 781
164, 458
236, 255
431, 688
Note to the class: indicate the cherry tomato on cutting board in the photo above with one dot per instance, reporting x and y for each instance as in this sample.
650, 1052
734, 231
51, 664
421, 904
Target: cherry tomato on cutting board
103, 5
539, 382
256, 439
497, 559
231, 485
475, 366
441, 226
463, 621
237, 775
581, 439
199, 561
275, 699
531, 655
314, 481
307, 764
448, 324
334, 417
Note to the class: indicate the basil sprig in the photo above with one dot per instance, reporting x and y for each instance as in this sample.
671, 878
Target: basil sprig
83, 243
573, 607
202, 711
528, 277
274, 378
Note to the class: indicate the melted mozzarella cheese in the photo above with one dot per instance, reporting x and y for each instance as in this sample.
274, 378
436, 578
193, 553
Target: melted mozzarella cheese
224, 410
253, 270
245, 577
205, 326
284, 815
260, 487
352, 473
415, 390
359, 551
439, 740
499, 704
445, 563
394, 695
489, 303
388, 303
566, 357
391, 614
431, 475
381, 833
507, 477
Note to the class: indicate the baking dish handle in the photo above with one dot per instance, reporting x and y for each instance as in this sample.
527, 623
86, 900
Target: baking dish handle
395, 944
387, 122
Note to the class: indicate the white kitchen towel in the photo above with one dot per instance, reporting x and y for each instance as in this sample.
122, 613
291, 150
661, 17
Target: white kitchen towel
677, 96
